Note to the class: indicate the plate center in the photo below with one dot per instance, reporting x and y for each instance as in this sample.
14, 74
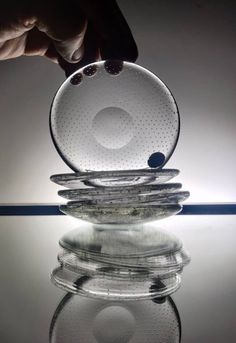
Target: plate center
114, 324
113, 128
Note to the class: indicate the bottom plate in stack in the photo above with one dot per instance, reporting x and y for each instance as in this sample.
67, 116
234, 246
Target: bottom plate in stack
118, 214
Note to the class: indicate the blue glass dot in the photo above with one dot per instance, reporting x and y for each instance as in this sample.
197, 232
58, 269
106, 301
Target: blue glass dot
76, 79
113, 67
156, 159
90, 70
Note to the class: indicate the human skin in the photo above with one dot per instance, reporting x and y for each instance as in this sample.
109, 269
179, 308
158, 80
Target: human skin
72, 33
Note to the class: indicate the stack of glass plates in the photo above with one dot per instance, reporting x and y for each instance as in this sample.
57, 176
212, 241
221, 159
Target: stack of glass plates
116, 125
137, 263
121, 197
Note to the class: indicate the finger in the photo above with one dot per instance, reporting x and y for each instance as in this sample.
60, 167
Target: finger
51, 53
13, 47
66, 26
116, 39
91, 53
37, 43
31, 43
13, 35
72, 49
15, 28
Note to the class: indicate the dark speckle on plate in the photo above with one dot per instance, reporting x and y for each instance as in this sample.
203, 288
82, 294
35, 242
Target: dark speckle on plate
113, 67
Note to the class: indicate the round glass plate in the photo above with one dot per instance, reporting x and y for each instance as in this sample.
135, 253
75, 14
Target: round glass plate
115, 178
82, 320
108, 192
161, 198
117, 214
114, 115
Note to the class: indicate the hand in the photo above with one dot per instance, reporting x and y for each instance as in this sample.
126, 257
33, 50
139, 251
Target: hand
72, 33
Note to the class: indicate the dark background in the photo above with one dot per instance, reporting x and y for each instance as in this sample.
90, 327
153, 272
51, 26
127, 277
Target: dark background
206, 300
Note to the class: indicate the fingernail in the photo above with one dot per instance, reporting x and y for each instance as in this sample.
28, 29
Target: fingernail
77, 55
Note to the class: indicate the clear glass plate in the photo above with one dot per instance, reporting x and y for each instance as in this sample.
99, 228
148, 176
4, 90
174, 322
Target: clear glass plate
115, 178
103, 193
117, 214
114, 115
161, 198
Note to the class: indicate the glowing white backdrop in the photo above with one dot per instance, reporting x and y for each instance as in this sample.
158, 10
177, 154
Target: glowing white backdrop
190, 48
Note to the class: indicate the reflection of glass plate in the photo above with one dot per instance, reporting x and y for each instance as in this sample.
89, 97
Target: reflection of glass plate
163, 198
113, 214
125, 268
103, 193
122, 253
130, 242
114, 115
115, 178
82, 320
113, 289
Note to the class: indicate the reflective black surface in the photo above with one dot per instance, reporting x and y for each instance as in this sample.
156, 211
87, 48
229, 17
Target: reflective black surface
206, 300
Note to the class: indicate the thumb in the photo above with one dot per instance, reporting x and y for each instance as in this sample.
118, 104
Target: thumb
65, 26
71, 49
